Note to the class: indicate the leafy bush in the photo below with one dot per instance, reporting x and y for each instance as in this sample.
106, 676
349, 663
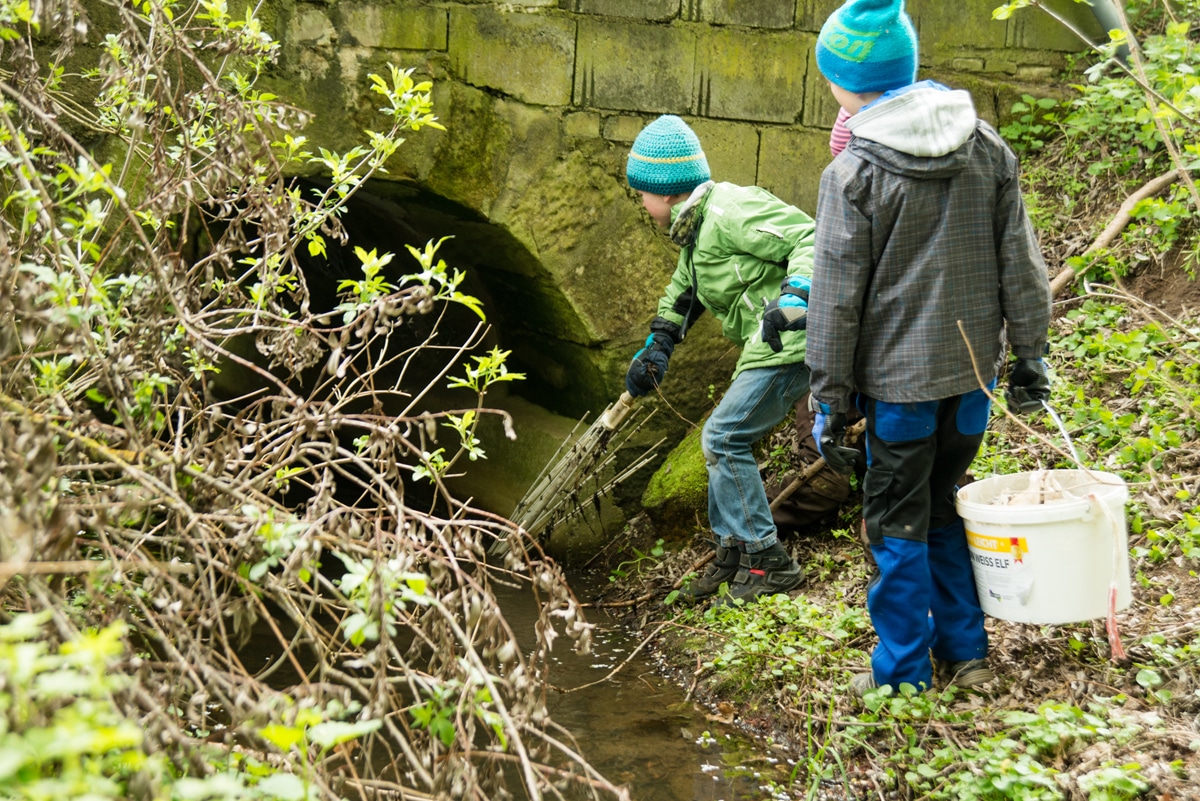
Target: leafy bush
1131, 117
191, 449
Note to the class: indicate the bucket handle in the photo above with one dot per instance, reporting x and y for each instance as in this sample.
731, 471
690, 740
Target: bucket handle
1074, 453
1063, 429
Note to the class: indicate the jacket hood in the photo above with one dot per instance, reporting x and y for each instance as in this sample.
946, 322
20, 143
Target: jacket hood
918, 130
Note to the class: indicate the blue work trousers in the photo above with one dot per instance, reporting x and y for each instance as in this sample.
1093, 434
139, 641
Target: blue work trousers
757, 400
923, 597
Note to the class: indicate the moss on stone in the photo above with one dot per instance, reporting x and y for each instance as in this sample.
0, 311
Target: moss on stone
676, 499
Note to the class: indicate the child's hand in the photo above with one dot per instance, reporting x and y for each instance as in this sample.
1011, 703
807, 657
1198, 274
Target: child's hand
788, 312
649, 365
829, 430
1028, 386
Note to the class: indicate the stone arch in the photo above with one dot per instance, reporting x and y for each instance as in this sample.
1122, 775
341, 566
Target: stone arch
541, 103
572, 349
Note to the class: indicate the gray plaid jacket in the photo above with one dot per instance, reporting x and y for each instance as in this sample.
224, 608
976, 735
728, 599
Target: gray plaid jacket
925, 257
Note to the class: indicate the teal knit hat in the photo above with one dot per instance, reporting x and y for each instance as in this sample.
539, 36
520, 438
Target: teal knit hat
868, 46
666, 158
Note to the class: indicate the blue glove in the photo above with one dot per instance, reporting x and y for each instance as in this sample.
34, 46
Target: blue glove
788, 312
829, 431
1028, 386
649, 365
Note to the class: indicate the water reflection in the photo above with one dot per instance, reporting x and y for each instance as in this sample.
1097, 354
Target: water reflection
638, 728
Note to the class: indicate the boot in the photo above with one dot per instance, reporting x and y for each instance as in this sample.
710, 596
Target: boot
764, 573
721, 570
970, 673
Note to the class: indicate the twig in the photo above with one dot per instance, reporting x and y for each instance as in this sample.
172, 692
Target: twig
388, 790
10, 569
641, 599
1004, 407
699, 563
808, 473
1117, 224
621, 666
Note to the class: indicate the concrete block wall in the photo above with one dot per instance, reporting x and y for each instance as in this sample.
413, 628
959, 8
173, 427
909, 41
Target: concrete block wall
605, 67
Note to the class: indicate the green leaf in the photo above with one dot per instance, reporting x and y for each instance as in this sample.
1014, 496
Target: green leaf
11, 760
284, 786
25, 626
1149, 678
333, 732
280, 736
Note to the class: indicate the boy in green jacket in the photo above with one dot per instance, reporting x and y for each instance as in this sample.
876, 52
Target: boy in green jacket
747, 257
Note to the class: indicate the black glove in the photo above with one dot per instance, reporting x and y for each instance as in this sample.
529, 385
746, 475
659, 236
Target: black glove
788, 312
1028, 386
829, 431
649, 365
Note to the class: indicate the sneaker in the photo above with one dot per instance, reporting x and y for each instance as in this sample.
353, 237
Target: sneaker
861, 682
721, 570
764, 573
969, 673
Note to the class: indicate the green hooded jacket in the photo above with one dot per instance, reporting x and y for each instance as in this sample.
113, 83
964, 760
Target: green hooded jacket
738, 243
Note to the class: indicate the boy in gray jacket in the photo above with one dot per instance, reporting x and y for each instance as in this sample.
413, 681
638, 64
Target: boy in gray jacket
925, 261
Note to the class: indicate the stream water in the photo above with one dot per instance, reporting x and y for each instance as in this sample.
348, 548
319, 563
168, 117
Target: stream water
638, 728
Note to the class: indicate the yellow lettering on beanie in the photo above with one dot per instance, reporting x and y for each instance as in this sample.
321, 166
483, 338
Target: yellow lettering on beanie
850, 45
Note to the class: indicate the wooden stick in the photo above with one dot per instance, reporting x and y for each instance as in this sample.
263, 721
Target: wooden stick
807, 474
1118, 223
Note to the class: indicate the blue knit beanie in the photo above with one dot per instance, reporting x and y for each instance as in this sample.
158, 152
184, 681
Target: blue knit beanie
666, 158
868, 46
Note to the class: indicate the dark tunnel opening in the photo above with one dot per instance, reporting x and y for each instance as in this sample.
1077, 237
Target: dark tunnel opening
527, 314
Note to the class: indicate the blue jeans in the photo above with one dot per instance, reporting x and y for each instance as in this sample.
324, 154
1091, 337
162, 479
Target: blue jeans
756, 402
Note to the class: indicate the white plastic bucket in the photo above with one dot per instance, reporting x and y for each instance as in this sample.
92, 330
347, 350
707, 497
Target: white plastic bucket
1046, 544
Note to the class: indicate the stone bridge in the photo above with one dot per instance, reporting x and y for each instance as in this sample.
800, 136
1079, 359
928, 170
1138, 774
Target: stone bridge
541, 101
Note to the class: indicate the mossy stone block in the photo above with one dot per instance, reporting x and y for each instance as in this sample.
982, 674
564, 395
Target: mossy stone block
623, 129
790, 165
1041, 32
528, 56
752, 75
676, 497
750, 13
635, 67
656, 10
811, 14
472, 156
582, 124
536, 142
820, 109
394, 27
964, 25
731, 149
523, 4
312, 27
